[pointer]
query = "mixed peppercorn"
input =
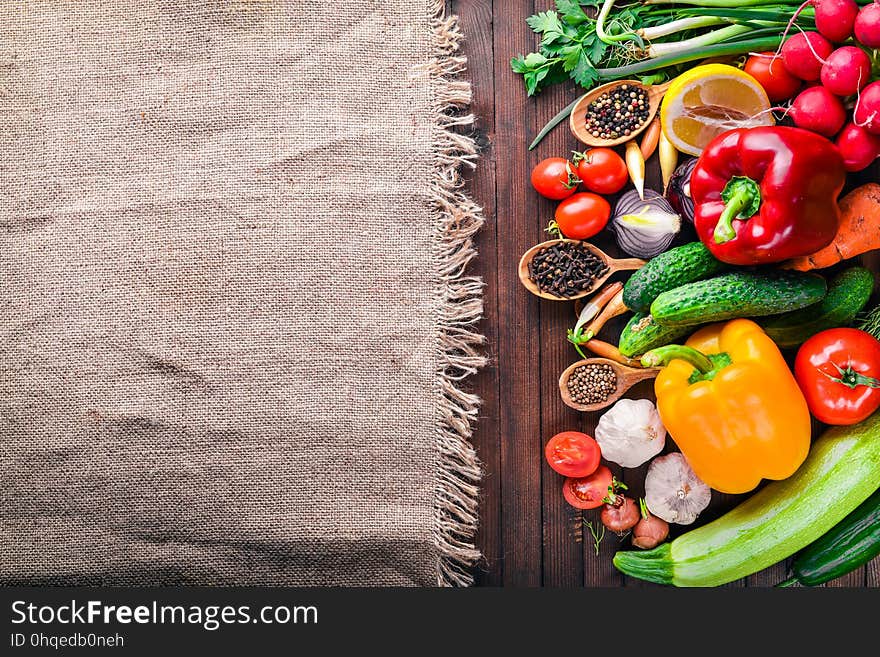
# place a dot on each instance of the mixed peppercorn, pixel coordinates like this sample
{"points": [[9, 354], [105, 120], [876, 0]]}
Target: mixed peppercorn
{"points": [[618, 112]]}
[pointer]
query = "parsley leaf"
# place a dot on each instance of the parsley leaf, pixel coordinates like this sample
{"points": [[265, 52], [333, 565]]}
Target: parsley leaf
{"points": [[571, 11], [544, 22], [584, 72]]}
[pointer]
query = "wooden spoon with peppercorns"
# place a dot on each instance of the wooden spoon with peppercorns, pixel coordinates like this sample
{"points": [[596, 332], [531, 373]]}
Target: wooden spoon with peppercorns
{"points": [[584, 133], [624, 378], [612, 265]]}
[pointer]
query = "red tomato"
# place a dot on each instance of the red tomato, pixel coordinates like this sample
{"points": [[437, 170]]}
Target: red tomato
{"points": [[554, 178], [838, 372], [602, 170], [773, 76], [573, 454], [582, 216], [588, 492]]}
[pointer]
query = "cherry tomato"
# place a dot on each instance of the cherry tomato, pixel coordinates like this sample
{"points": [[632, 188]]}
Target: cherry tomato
{"points": [[773, 76], [554, 178], [573, 454], [601, 170], [838, 371], [588, 492], [582, 215]]}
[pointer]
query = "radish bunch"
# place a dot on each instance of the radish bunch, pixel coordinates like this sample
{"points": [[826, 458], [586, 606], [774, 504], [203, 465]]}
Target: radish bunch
{"points": [[838, 78]]}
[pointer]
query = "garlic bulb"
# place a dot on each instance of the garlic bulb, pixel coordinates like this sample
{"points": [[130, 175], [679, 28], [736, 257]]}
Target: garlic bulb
{"points": [[631, 432], [673, 491]]}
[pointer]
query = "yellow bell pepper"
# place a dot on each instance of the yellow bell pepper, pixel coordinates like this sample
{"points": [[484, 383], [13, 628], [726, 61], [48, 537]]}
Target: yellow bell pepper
{"points": [[732, 406]]}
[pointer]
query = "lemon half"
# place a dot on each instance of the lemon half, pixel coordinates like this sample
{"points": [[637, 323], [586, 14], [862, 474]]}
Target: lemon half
{"points": [[708, 100]]}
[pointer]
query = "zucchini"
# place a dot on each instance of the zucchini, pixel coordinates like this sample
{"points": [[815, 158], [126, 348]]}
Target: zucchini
{"points": [[676, 267], [642, 333], [849, 545], [840, 472], [847, 295], [738, 294]]}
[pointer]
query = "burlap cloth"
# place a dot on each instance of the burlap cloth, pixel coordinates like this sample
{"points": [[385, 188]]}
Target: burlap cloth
{"points": [[234, 319]]}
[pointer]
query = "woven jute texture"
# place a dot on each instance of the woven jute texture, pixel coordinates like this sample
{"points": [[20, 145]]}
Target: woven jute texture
{"points": [[233, 311]]}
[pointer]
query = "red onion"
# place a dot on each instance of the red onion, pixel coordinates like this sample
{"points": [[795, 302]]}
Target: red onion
{"points": [[679, 190]]}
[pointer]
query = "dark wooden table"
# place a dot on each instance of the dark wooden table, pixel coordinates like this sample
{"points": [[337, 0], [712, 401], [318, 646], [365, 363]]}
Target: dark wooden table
{"points": [[528, 534]]}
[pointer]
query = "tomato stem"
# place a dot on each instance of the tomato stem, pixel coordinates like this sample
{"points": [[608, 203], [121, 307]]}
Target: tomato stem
{"points": [[852, 379], [573, 180]]}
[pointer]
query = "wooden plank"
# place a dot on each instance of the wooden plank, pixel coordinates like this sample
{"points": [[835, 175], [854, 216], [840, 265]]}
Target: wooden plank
{"points": [[872, 573], [518, 333], [563, 558], [474, 18]]}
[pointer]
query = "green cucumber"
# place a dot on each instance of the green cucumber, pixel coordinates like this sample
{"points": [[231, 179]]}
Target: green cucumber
{"points": [[850, 544], [676, 267], [642, 333], [841, 471], [847, 295], [738, 294]]}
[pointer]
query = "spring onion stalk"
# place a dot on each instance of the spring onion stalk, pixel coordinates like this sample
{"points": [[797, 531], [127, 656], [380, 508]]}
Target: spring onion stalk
{"points": [[708, 39], [690, 23], [612, 39], [682, 57], [773, 13]]}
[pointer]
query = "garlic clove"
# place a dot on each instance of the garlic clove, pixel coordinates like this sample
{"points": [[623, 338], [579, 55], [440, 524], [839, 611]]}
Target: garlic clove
{"points": [[630, 433], [673, 491]]}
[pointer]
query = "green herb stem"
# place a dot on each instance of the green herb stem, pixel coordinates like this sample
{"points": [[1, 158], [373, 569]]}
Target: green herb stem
{"points": [[673, 27], [708, 39], [681, 57], [563, 114]]}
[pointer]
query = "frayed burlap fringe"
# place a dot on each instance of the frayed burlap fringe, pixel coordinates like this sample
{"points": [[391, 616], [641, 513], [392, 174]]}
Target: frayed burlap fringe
{"points": [[460, 307]]}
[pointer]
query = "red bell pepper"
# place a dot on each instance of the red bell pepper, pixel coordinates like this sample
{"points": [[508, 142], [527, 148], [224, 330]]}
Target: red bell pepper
{"points": [[767, 194]]}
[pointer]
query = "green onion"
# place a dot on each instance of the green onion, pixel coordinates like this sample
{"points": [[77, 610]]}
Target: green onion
{"points": [[563, 114], [716, 50]]}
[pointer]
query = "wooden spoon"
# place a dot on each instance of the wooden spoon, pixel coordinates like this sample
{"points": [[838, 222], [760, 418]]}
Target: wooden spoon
{"points": [[614, 265], [627, 377], [578, 119]]}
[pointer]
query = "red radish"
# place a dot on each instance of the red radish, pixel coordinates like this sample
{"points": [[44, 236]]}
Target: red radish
{"points": [[867, 111], [819, 110], [804, 53], [846, 70], [835, 18], [867, 25], [858, 147]]}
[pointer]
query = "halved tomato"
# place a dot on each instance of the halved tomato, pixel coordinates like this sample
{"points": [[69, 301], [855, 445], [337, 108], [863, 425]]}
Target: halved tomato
{"points": [[588, 492], [573, 454]]}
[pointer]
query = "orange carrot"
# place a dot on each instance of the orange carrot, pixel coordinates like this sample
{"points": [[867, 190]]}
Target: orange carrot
{"points": [[650, 139], [858, 233], [609, 351]]}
